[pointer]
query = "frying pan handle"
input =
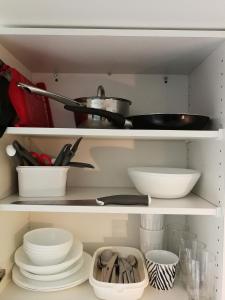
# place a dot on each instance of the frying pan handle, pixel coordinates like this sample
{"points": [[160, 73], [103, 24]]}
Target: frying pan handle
{"points": [[117, 119], [37, 91]]}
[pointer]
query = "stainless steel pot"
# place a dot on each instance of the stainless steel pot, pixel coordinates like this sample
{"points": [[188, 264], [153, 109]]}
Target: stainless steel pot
{"points": [[112, 104], [100, 101]]}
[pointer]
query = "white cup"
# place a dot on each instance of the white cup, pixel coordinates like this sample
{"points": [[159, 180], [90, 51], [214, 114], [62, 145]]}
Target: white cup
{"points": [[152, 222], [151, 239]]}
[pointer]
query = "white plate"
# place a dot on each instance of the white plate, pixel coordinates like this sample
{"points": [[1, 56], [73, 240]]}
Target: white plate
{"points": [[51, 286], [71, 270], [22, 261]]}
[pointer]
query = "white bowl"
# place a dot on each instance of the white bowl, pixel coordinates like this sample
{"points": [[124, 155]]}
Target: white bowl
{"points": [[163, 182], [47, 246]]}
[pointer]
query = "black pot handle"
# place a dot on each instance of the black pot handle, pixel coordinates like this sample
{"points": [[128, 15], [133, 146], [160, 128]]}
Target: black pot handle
{"points": [[117, 119]]}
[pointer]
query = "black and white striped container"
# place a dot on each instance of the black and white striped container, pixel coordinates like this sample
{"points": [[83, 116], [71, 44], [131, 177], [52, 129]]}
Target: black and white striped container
{"points": [[161, 267]]}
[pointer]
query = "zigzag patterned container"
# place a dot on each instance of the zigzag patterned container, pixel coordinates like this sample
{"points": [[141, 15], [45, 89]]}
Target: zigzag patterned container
{"points": [[161, 267]]}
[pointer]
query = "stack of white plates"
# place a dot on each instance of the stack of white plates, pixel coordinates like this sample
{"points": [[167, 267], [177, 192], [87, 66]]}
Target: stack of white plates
{"points": [[59, 271]]}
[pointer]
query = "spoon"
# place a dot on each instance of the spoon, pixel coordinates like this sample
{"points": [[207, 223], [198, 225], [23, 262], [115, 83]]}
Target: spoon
{"points": [[104, 258], [132, 260]]}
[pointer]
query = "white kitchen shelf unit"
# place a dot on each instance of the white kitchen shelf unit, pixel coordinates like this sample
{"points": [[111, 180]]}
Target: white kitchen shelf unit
{"points": [[189, 205], [123, 51], [84, 291], [117, 133]]}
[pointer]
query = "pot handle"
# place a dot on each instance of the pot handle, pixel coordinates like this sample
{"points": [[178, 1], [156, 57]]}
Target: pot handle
{"points": [[100, 92], [37, 91], [117, 119]]}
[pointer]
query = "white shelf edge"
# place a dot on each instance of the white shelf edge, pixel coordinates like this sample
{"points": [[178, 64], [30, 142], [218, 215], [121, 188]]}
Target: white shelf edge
{"points": [[116, 133], [189, 205], [76, 31], [84, 292]]}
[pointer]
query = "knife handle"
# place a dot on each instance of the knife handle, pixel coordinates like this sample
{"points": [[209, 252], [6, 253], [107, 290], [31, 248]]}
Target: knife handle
{"points": [[142, 200]]}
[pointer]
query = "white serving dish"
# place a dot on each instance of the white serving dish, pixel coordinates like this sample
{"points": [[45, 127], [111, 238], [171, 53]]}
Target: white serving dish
{"points": [[57, 285], [68, 272], [43, 181], [23, 261], [152, 222], [119, 291], [47, 246], [163, 182], [151, 239]]}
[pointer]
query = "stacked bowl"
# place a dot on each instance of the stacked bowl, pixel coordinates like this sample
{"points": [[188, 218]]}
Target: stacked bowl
{"points": [[50, 259]]}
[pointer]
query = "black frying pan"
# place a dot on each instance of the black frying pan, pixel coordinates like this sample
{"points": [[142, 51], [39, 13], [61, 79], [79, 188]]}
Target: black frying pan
{"points": [[152, 121]]}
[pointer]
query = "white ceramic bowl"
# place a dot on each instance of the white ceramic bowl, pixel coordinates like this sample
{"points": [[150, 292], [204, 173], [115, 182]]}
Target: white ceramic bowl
{"points": [[47, 246], [163, 182]]}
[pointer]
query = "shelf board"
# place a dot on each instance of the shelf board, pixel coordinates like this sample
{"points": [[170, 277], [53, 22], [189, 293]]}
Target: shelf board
{"points": [[84, 292], [189, 205], [124, 51], [116, 133]]}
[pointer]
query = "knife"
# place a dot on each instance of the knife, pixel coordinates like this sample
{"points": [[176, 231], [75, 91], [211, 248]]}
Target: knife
{"points": [[137, 200]]}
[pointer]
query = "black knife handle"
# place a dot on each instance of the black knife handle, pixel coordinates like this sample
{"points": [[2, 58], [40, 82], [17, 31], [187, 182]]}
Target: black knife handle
{"points": [[141, 200]]}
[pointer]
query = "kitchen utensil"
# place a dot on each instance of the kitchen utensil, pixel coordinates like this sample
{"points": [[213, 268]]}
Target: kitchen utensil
{"points": [[80, 165], [151, 239], [132, 260], [48, 246], [51, 286], [150, 121], [70, 153], [61, 275], [152, 222], [11, 152], [162, 182], [109, 267], [161, 266], [119, 291], [37, 91], [43, 159], [60, 156], [23, 261], [128, 269], [141, 200], [104, 258], [112, 104], [24, 154], [42, 181]]}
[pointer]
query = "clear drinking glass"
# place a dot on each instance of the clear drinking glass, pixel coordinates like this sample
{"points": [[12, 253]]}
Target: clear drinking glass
{"points": [[189, 250], [198, 271], [174, 233]]}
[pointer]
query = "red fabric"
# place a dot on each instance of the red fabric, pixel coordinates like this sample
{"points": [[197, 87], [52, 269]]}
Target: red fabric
{"points": [[32, 110]]}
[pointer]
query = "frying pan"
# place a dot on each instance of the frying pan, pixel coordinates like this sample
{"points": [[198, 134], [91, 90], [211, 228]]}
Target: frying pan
{"points": [[152, 121]]}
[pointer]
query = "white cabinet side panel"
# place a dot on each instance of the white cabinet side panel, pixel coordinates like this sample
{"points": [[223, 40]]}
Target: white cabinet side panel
{"points": [[148, 93], [207, 96], [10, 60], [12, 227]]}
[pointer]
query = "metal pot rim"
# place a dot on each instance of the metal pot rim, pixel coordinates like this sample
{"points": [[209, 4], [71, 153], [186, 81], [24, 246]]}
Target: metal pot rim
{"points": [[85, 99]]}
